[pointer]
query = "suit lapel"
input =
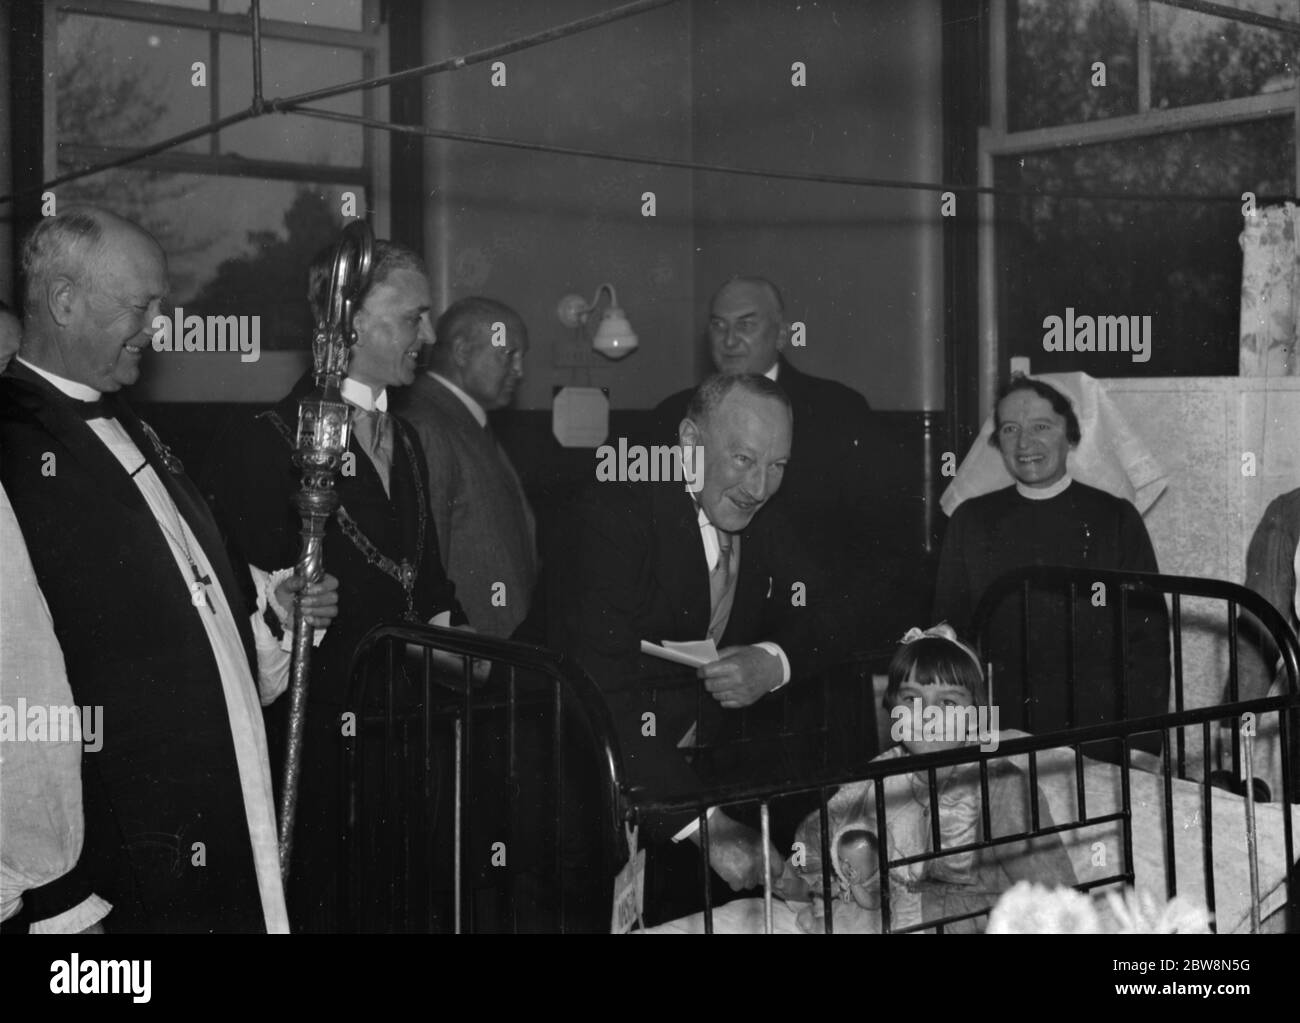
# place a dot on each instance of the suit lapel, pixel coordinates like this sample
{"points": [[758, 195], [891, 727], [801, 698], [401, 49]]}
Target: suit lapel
{"points": [[752, 585], [405, 508], [790, 380], [436, 394], [682, 563]]}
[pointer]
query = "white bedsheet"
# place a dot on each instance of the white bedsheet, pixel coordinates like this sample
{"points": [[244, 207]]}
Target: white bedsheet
{"points": [[1096, 851]]}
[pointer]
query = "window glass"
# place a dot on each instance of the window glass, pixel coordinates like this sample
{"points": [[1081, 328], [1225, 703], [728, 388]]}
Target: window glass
{"points": [[128, 83], [1052, 46], [289, 68], [234, 245], [193, 5], [329, 13], [1196, 58], [1179, 264]]}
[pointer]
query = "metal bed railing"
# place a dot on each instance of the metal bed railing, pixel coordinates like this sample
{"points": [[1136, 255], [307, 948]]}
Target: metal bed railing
{"points": [[441, 714], [433, 730], [459, 706], [1072, 582], [1027, 582], [931, 763]]}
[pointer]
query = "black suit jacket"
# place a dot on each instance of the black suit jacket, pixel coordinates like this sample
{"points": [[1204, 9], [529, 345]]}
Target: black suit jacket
{"points": [[251, 481], [827, 489], [634, 568], [134, 645]]}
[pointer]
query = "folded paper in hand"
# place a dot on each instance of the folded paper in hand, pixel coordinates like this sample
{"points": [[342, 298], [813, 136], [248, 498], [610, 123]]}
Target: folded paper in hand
{"points": [[692, 654]]}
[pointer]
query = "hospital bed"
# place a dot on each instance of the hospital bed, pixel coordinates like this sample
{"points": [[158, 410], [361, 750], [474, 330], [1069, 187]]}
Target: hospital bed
{"points": [[504, 806]]}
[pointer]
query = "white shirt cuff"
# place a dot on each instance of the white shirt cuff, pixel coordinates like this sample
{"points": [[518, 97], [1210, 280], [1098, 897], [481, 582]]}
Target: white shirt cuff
{"points": [[89, 911], [693, 826], [442, 619], [776, 651], [273, 663], [267, 584], [274, 657]]}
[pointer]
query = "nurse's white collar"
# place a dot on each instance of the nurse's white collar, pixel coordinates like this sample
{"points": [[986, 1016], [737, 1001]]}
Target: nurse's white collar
{"points": [[1044, 493]]}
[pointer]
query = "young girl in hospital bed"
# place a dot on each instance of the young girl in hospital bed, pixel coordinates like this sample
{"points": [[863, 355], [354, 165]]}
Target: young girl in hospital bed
{"points": [[931, 669]]}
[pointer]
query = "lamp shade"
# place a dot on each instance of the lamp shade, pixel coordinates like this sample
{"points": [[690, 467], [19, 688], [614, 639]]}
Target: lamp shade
{"points": [[615, 337]]}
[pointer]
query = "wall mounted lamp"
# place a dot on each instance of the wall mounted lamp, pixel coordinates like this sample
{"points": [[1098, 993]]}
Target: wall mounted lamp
{"points": [[612, 335]]}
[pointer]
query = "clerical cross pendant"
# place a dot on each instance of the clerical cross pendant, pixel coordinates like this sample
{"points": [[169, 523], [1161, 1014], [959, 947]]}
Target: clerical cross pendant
{"points": [[199, 595]]}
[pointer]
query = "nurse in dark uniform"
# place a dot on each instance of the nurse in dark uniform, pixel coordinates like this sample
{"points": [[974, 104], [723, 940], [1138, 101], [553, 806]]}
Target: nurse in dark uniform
{"points": [[1048, 518]]}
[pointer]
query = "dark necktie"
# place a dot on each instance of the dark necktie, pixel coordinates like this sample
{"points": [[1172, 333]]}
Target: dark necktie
{"points": [[101, 408], [722, 585], [374, 430]]}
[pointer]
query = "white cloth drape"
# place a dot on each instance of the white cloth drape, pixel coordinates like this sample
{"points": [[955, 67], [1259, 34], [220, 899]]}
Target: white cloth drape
{"points": [[1270, 293], [1110, 457]]}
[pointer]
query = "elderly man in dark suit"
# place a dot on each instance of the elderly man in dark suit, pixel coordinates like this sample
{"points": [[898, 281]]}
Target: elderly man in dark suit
{"points": [[153, 617], [828, 486], [826, 494], [382, 544], [654, 561], [486, 532]]}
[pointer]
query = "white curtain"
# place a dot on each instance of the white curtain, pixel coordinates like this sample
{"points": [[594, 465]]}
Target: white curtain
{"points": [[1270, 292]]}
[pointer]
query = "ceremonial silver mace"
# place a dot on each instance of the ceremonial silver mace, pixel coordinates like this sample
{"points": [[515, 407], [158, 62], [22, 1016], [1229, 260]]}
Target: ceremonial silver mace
{"points": [[324, 423]]}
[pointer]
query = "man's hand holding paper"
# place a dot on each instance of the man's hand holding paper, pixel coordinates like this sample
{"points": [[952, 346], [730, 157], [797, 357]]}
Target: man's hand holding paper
{"points": [[743, 675]]}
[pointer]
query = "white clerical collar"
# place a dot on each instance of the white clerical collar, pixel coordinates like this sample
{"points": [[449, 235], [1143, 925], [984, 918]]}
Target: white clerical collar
{"points": [[363, 397], [475, 409], [1044, 493], [71, 388], [771, 373]]}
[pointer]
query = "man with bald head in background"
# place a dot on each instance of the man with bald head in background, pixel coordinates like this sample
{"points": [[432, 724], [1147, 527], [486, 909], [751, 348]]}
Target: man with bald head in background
{"points": [[154, 618], [486, 532]]}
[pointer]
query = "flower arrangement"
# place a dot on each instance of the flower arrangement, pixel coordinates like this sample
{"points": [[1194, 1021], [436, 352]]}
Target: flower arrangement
{"points": [[1033, 909]]}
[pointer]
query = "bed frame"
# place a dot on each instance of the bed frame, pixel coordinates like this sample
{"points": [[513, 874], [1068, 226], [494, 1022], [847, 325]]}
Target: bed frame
{"points": [[441, 769]]}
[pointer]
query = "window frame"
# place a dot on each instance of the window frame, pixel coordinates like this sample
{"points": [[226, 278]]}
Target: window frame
{"points": [[373, 174], [995, 141]]}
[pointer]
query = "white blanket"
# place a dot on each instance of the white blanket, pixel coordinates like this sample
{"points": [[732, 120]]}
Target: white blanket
{"points": [[1096, 851]]}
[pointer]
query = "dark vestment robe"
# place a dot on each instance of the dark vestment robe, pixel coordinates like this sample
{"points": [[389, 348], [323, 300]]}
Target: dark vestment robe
{"points": [[134, 644]]}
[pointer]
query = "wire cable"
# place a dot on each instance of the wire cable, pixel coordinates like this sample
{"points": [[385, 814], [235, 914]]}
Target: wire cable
{"points": [[294, 105], [478, 56], [755, 172], [259, 106]]}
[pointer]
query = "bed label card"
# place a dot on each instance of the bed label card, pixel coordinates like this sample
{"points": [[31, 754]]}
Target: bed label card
{"points": [[629, 890]]}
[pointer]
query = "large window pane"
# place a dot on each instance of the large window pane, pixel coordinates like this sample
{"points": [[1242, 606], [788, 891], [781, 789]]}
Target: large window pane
{"points": [[1196, 58], [193, 5], [289, 68], [234, 245], [1051, 48], [127, 83], [330, 13], [1180, 264]]}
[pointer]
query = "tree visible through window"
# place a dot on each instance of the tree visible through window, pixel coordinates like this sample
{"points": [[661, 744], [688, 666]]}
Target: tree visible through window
{"points": [[1180, 264], [238, 238]]}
